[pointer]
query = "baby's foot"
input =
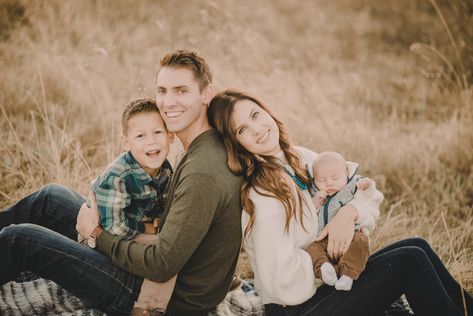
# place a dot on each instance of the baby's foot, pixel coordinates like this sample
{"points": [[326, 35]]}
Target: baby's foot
{"points": [[329, 276], [344, 283]]}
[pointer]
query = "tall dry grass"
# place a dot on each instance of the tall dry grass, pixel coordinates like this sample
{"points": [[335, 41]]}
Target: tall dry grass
{"points": [[387, 83]]}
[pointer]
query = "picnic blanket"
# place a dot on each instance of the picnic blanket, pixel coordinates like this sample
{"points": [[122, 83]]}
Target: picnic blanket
{"points": [[44, 297]]}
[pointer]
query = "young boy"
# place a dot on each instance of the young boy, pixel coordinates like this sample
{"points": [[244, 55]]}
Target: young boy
{"points": [[130, 192], [334, 187]]}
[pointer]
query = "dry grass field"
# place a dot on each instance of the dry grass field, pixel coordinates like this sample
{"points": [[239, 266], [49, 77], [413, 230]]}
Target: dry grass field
{"points": [[387, 83]]}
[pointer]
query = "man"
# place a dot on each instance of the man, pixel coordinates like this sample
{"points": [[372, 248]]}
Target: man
{"points": [[200, 233]]}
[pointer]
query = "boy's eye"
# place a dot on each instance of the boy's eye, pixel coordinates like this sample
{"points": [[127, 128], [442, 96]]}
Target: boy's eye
{"points": [[157, 132], [181, 91], [139, 135]]}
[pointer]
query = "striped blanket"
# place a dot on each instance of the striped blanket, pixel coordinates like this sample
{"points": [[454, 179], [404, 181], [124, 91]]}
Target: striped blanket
{"points": [[44, 297]]}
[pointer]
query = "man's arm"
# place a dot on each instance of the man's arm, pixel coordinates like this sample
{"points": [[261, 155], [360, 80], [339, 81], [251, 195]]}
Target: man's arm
{"points": [[194, 204]]}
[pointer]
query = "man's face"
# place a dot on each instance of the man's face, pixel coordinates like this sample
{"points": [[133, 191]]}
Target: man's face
{"points": [[182, 105], [148, 140]]}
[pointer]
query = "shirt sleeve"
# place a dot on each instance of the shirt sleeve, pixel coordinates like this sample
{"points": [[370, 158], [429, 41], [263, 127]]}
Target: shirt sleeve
{"points": [[367, 205], [284, 271], [112, 201], [194, 204]]}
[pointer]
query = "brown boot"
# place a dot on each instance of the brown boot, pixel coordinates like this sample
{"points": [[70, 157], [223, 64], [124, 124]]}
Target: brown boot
{"points": [[139, 311]]}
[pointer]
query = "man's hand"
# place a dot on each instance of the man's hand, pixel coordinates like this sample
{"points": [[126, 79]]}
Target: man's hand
{"points": [[319, 198], [88, 218], [340, 231], [364, 184]]}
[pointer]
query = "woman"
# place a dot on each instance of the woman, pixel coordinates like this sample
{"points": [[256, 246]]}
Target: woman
{"points": [[279, 222]]}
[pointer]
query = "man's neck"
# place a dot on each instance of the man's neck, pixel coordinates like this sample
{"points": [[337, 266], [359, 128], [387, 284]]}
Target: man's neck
{"points": [[188, 135]]}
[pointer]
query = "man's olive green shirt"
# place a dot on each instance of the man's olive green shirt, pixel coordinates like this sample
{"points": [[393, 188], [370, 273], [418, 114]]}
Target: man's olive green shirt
{"points": [[200, 234]]}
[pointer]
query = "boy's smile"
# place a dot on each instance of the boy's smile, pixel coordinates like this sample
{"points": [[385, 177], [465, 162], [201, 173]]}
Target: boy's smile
{"points": [[148, 140]]}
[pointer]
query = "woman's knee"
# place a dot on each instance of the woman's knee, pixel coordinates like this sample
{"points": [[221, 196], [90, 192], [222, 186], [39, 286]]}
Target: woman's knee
{"points": [[419, 243]]}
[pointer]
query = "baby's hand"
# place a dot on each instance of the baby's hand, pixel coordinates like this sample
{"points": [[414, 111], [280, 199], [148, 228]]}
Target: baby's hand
{"points": [[364, 184], [319, 198]]}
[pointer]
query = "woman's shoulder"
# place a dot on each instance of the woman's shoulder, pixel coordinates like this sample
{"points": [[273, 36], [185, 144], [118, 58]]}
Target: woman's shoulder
{"points": [[306, 155]]}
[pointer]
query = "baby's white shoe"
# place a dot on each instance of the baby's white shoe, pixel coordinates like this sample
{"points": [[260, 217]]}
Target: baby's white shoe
{"points": [[329, 275], [344, 283]]}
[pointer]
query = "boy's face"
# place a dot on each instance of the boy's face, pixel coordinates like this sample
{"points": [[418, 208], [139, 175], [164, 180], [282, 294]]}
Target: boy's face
{"points": [[181, 103], [330, 177], [148, 140]]}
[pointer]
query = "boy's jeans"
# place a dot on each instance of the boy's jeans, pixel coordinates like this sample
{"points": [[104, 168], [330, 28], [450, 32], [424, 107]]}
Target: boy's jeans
{"points": [[46, 244]]}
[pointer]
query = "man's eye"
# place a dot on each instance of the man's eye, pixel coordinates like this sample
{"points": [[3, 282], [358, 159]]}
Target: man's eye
{"points": [[161, 91], [157, 132], [182, 91]]}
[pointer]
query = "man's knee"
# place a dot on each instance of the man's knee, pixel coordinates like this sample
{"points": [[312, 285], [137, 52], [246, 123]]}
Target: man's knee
{"points": [[15, 232], [52, 189]]}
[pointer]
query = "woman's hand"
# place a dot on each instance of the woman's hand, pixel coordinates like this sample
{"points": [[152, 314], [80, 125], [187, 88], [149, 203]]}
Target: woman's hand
{"points": [[88, 217], [340, 231]]}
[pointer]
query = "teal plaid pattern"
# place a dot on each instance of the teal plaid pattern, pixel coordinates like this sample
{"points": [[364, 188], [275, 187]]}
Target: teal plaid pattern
{"points": [[127, 196]]}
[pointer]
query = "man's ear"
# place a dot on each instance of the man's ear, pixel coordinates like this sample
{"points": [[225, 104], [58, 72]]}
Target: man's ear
{"points": [[208, 93], [171, 137], [125, 144]]}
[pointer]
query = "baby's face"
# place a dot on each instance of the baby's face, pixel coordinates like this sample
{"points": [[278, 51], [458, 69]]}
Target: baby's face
{"points": [[330, 177]]}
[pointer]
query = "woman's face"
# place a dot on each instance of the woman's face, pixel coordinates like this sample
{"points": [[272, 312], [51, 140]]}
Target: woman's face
{"points": [[255, 129]]}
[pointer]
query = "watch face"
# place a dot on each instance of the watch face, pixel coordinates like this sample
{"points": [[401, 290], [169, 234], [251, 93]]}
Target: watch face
{"points": [[91, 242]]}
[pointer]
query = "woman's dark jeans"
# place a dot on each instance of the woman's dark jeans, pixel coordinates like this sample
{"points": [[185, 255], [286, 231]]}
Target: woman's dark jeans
{"points": [[44, 241], [407, 267]]}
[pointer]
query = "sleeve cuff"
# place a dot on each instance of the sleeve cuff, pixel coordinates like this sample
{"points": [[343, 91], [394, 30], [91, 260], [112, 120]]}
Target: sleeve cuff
{"points": [[105, 242]]}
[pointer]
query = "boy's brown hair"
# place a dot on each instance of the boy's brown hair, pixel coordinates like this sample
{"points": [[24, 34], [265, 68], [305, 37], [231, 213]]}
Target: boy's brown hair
{"points": [[144, 105], [192, 61]]}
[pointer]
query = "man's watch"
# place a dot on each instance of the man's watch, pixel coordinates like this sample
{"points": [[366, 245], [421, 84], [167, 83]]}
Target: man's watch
{"points": [[92, 239]]}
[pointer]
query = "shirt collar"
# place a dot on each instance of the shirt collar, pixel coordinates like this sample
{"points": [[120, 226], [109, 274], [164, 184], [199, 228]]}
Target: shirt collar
{"points": [[141, 173]]}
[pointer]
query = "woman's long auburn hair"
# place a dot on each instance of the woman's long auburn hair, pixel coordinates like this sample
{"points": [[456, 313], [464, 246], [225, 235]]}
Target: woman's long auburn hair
{"points": [[264, 174]]}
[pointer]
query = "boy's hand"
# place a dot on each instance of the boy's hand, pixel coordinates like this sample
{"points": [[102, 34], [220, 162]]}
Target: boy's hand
{"points": [[150, 228], [319, 198], [364, 184]]}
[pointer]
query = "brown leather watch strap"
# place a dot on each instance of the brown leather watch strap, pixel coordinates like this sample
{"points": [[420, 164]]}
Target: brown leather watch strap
{"points": [[96, 232]]}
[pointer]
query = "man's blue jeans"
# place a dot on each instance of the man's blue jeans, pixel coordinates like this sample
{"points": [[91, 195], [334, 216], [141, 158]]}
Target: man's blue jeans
{"points": [[44, 241]]}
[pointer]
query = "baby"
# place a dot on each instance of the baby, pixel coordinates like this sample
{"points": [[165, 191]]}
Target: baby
{"points": [[334, 187]]}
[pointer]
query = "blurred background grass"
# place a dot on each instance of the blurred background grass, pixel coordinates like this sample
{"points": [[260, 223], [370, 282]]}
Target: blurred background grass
{"points": [[387, 83]]}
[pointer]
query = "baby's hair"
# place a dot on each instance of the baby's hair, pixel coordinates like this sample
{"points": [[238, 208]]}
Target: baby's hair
{"points": [[135, 107], [328, 157]]}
